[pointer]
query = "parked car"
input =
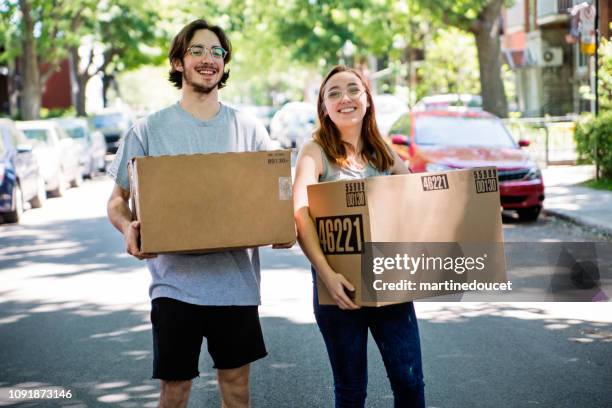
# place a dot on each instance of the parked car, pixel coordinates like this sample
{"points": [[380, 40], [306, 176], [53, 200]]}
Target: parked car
{"points": [[92, 144], [293, 124], [113, 123], [446, 140], [20, 178], [57, 154], [388, 109], [447, 101]]}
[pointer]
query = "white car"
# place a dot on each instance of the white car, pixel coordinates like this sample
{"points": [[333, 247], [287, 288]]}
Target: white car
{"points": [[57, 154], [293, 124], [92, 144], [388, 109]]}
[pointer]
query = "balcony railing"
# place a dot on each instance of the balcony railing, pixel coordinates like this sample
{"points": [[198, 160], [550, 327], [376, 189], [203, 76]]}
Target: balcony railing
{"points": [[548, 8]]}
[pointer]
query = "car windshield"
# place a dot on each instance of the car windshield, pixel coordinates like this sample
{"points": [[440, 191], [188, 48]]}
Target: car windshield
{"points": [[101, 121], [461, 131], [75, 132], [38, 135]]}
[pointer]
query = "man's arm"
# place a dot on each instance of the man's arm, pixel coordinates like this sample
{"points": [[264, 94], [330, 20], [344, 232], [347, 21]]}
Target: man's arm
{"points": [[120, 216]]}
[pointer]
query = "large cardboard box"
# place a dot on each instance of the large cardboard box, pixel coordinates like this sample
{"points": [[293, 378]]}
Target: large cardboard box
{"points": [[445, 208], [211, 202]]}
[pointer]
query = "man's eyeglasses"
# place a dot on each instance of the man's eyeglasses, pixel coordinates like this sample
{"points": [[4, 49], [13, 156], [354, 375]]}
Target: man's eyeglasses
{"points": [[353, 92], [201, 50]]}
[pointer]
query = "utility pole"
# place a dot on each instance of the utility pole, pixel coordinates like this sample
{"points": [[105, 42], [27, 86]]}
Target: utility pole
{"points": [[596, 84]]}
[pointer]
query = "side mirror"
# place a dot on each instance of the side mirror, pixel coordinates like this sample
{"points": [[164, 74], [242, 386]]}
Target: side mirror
{"points": [[24, 149], [400, 140], [523, 143]]}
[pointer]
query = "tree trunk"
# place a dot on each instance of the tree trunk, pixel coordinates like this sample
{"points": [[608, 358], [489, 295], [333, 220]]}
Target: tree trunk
{"points": [[80, 97], [31, 91], [81, 79], [489, 60], [106, 82]]}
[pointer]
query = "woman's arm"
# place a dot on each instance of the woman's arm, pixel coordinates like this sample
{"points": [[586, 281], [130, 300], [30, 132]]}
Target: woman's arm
{"points": [[307, 170]]}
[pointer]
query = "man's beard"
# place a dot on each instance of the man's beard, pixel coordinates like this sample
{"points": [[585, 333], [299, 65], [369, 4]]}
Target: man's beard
{"points": [[199, 88]]}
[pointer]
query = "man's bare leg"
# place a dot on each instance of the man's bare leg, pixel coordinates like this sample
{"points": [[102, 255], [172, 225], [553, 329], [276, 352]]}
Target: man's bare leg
{"points": [[234, 387], [174, 394]]}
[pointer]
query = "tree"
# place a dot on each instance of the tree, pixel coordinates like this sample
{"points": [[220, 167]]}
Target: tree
{"points": [[482, 19], [450, 65], [116, 34], [120, 35], [39, 33], [605, 75]]}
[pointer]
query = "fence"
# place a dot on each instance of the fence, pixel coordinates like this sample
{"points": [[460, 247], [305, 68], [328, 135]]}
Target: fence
{"points": [[551, 138]]}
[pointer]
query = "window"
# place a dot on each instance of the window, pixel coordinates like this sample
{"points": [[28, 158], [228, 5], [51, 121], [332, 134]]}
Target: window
{"points": [[37, 135]]}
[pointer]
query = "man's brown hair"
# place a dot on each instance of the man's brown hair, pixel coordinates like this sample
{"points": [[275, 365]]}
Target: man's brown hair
{"points": [[180, 43]]}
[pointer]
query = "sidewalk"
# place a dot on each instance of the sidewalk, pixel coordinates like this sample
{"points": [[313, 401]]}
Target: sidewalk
{"points": [[581, 205]]}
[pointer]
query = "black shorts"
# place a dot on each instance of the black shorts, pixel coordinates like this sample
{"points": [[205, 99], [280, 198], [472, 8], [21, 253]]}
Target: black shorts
{"points": [[233, 335]]}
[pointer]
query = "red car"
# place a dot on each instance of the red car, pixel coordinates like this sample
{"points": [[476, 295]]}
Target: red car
{"points": [[444, 140]]}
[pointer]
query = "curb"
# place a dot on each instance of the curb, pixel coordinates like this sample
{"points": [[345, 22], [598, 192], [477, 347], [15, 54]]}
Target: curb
{"points": [[579, 221]]}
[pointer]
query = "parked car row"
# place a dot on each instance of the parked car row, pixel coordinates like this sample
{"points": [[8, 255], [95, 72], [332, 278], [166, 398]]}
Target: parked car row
{"points": [[21, 180], [42, 158], [294, 123]]}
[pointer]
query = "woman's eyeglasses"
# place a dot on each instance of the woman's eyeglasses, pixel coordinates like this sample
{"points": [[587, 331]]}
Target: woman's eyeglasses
{"points": [[353, 92]]}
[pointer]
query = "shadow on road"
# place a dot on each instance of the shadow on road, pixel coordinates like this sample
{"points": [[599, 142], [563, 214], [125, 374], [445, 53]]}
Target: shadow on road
{"points": [[488, 355]]}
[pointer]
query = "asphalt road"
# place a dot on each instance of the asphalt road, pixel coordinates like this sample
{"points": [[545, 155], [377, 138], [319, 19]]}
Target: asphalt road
{"points": [[74, 316]]}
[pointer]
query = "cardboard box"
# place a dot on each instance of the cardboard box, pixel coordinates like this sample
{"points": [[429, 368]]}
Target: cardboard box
{"points": [[448, 207], [212, 202]]}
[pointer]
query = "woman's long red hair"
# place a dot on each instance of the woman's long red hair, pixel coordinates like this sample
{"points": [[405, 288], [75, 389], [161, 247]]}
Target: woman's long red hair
{"points": [[374, 149]]}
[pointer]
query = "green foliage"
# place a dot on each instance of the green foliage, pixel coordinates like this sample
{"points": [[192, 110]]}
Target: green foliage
{"points": [[450, 66], [126, 31], [605, 75], [594, 141], [53, 31], [57, 112], [601, 184], [9, 31]]}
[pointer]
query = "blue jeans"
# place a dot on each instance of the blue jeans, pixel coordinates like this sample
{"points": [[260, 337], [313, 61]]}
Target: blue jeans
{"points": [[396, 333]]}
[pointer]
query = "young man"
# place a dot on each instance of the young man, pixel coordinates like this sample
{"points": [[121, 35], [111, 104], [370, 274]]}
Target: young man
{"points": [[194, 296]]}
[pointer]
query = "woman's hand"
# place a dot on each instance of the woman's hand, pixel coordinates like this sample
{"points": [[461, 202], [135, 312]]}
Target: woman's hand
{"points": [[337, 286]]}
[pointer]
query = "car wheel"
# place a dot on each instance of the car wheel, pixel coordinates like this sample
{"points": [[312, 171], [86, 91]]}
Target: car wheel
{"points": [[41, 194], [78, 180], [60, 190], [15, 215], [529, 214]]}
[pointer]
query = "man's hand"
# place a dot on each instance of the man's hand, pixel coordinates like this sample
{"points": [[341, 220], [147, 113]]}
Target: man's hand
{"points": [[120, 216], [131, 235], [284, 246]]}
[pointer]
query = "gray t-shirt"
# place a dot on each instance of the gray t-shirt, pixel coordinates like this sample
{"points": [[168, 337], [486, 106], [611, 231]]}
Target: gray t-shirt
{"points": [[220, 278]]}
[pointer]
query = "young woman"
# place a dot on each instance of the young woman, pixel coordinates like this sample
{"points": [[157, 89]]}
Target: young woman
{"points": [[348, 145]]}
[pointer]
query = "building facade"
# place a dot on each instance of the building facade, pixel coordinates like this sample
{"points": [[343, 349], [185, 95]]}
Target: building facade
{"points": [[547, 45]]}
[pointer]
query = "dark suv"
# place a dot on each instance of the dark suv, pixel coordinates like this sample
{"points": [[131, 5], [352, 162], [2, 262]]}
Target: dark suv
{"points": [[113, 124]]}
